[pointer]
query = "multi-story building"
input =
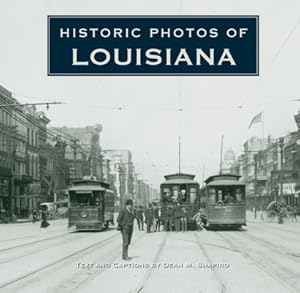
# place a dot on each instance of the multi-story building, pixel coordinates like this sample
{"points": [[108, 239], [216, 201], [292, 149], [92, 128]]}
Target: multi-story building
{"points": [[122, 172], [21, 129], [7, 133], [270, 169], [83, 151], [228, 162]]}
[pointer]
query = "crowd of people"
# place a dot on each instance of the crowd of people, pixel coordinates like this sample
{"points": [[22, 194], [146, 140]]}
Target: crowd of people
{"points": [[283, 212], [174, 218]]}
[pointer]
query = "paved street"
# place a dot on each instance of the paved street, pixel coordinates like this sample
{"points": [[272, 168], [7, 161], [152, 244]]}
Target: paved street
{"points": [[264, 257]]}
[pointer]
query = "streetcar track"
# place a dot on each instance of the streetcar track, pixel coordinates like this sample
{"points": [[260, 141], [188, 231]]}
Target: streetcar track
{"points": [[34, 242], [21, 238], [222, 283], [95, 274], [276, 233], [149, 272], [18, 238], [271, 227], [265, 268], [44, 267], [277, 248], [37, 250]]}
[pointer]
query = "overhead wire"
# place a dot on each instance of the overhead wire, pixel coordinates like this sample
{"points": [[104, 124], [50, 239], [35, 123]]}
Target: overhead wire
{"points": [[276, 55]]}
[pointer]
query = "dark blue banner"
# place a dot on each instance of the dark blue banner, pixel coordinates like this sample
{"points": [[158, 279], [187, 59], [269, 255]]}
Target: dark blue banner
{"points": [[153, 45]]}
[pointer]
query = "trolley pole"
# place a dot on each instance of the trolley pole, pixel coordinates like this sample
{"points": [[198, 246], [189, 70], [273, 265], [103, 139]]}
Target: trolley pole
{"points": [[221, 155], [179, 156]]}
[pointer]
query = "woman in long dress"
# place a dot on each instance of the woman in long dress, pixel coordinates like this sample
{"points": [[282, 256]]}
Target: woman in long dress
{"points": [[44, 223]]}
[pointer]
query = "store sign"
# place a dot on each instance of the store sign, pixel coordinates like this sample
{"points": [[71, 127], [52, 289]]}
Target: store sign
{"points": [[288, 188]]}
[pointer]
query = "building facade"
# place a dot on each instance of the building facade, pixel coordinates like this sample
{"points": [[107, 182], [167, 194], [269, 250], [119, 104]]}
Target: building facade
{"points": [[270, 169]]}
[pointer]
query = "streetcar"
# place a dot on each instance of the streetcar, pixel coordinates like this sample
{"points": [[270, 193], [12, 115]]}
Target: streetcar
{"points": [[223, 202], [91, 205], [183, 189]]}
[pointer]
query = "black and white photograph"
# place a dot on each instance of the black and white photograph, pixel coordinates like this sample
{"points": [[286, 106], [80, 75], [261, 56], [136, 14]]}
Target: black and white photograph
{"points": [[150, 146]]}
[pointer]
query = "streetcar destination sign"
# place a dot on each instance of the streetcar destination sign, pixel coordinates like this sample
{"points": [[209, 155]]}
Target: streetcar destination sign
{"points": [[153, 45]]}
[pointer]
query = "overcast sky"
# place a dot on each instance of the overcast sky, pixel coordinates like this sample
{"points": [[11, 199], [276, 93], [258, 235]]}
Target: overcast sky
{"points": [[149, 125]]}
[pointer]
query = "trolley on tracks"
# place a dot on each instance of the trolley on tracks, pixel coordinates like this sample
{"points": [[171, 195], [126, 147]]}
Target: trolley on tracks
{"points": [[91, 205], [223, 201], [183, 189]]}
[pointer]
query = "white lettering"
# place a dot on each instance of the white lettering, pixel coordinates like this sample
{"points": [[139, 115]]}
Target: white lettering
{"points": [[183, 57], [75, 59], [226, 57], [209, 59], [63, 32], [117, 57], [154, 55], [100, 51]]}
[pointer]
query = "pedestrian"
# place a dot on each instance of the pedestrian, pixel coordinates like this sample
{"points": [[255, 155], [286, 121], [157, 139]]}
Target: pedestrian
{"points": [[140, 218], [157, 228], [44, 223], [282, 214], [177, 216], [294, 214], [149, 217], [198, 218], [125, 225], [155, 217], [183, 219], [34, 215], [168, 219], [3, 216]]}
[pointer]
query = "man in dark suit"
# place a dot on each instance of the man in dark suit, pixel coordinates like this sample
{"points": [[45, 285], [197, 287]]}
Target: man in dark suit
{"points": [[125, 220], [149, 215]]}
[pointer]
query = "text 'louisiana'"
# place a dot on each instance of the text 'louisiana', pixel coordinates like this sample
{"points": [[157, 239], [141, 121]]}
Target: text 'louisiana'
{"points": [[153, 57]]}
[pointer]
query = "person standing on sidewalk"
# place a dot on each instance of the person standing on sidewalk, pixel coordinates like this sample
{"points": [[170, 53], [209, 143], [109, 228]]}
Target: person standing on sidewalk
{"points": [[34, 215], [158, 220], [294, 214], [44, 223], [140, 218], [155, 217], [168, 219], [149, 218], [177, 216], [125, 225], [183, 219]]}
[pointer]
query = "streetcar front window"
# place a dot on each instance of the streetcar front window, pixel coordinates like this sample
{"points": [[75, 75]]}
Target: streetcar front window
{"points": [[166, 192], [80, 199], [212, 196], [193, 194]]}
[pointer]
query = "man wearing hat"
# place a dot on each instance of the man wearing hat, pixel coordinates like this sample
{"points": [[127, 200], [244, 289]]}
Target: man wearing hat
{"points": [[125, 221]]}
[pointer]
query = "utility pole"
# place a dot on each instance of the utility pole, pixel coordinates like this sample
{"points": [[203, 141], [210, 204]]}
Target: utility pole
{"points": [[255, 185], [281, 145], [75, 146], [11, 139]]}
